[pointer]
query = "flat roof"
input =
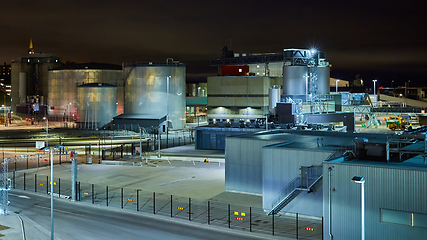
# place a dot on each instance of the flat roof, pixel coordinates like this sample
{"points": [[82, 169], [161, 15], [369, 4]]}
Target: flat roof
{"points": [[91, 66], [413, 164], [275, 135]]}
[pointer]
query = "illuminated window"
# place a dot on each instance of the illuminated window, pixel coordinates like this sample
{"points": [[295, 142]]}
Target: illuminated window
{"points": [[240, 70]]}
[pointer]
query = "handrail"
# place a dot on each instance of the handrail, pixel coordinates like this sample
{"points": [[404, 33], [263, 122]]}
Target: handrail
{"points": [[295, 183]]}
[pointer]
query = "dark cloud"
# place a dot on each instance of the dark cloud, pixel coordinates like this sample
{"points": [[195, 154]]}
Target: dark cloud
{"points": [[360, 36]]}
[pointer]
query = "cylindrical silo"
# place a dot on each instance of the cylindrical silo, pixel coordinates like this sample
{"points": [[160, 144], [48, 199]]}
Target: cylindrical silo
{"points": [[323, 83], [63, 82], [273, 98], [22, 87], [156, 89], [96, 105], [294, 80]]}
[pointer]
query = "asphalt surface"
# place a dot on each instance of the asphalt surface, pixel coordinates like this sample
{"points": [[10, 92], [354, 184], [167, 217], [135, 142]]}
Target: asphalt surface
{"points": [[77, 220]]}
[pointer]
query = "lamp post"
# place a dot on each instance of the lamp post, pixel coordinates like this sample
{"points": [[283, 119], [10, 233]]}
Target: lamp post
{"points": [[51, 149], [68, 113], [361, 181], [47, 129], [336, 85], [375, 81]]}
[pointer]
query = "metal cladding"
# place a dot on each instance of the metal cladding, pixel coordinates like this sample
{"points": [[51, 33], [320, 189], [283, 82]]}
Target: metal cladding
{"points": [[96, 105], [294, 80], [63, 84], [273, 98], [323, 83], [158, 89]]}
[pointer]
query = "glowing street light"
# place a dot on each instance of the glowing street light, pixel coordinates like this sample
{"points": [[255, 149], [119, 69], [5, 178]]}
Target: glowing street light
{"points": [[361, 181], [375, 81]]}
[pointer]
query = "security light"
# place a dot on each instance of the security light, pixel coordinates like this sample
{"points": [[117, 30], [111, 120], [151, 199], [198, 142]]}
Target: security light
{"points": [[358, 179]]}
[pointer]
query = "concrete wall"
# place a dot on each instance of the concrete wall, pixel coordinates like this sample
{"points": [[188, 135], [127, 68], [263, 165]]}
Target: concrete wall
{"points": [[386, 187], [280, 165]]}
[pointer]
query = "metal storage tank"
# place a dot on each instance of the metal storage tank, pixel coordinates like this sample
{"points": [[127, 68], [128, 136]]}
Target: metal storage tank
{"points": [[323, 83], [156, 89], [294, 81], [63, 82], [273, 98], [96, 105]]}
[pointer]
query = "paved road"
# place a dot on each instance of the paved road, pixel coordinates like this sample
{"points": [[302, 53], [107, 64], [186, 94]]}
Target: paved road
{"points": [[76, 220]]}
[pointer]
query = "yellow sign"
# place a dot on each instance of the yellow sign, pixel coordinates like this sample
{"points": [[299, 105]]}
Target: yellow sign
{"points": [[243, 214], [130, 200], [236, 213], [85, 193], [54, 183]]}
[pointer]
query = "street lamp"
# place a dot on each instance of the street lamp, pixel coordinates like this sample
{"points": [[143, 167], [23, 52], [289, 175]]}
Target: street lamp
{"points": [[68, 113], [336, 85], [51, 149], [375, 81], [47, 129], [361, 181]]}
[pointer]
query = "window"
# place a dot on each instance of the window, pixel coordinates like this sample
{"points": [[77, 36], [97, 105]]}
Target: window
{"points": [[404, 218]]}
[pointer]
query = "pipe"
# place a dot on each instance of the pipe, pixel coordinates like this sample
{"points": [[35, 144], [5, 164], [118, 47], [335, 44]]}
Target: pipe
{"points": [[329, 208]]}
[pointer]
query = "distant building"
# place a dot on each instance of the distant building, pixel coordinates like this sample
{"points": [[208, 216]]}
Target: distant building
{"points": [[29, 75], [239, 98], [5, 74]]}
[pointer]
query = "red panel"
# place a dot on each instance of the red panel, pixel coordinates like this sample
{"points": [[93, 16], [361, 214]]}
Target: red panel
{"points": [[227, 70]]}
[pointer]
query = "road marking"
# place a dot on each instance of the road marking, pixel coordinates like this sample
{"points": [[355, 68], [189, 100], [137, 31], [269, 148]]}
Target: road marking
{"points": [[56, 210], [20, 196]]}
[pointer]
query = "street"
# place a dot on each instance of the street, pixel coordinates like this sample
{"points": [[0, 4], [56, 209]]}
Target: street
{"points": [[77, 220]]}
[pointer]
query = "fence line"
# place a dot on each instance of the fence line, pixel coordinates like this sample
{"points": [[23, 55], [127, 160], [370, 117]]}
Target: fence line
{"points": [[208, 212]]}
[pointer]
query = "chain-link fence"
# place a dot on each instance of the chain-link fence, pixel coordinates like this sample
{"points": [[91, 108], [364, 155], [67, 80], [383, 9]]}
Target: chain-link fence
{"points": [[208, 212]]}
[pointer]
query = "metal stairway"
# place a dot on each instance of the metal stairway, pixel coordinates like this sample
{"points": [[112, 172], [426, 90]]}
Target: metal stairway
{"points": [[308, 179]]}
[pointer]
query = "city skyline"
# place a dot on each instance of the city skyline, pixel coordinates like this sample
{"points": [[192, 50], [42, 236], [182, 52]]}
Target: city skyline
{"points": [[373, 39]]}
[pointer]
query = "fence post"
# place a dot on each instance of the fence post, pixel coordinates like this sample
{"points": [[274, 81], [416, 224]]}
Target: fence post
{"points": [[24, 181], [137, 200], [122, 198], [79, 193], [38, 159], [250, 219], [14, 185], [106, 192], [189, 209], [59, 187], [154, 202], [296, 225], [35, 182], [47, 184], [15, 163], [229, 220], [93, 197], [171, 205], [27, 162], [273, 222], [209, 212]]}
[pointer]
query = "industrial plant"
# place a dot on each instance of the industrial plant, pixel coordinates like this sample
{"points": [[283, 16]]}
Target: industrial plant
{"points": [[307, 143]]}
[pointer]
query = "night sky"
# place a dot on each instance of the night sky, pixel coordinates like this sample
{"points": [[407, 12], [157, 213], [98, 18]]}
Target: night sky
{"points": [[378, 40]]}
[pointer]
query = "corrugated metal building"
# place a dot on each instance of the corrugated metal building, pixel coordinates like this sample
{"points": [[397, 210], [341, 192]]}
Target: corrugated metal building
{"points": [[281, 164], [395, 200]]}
